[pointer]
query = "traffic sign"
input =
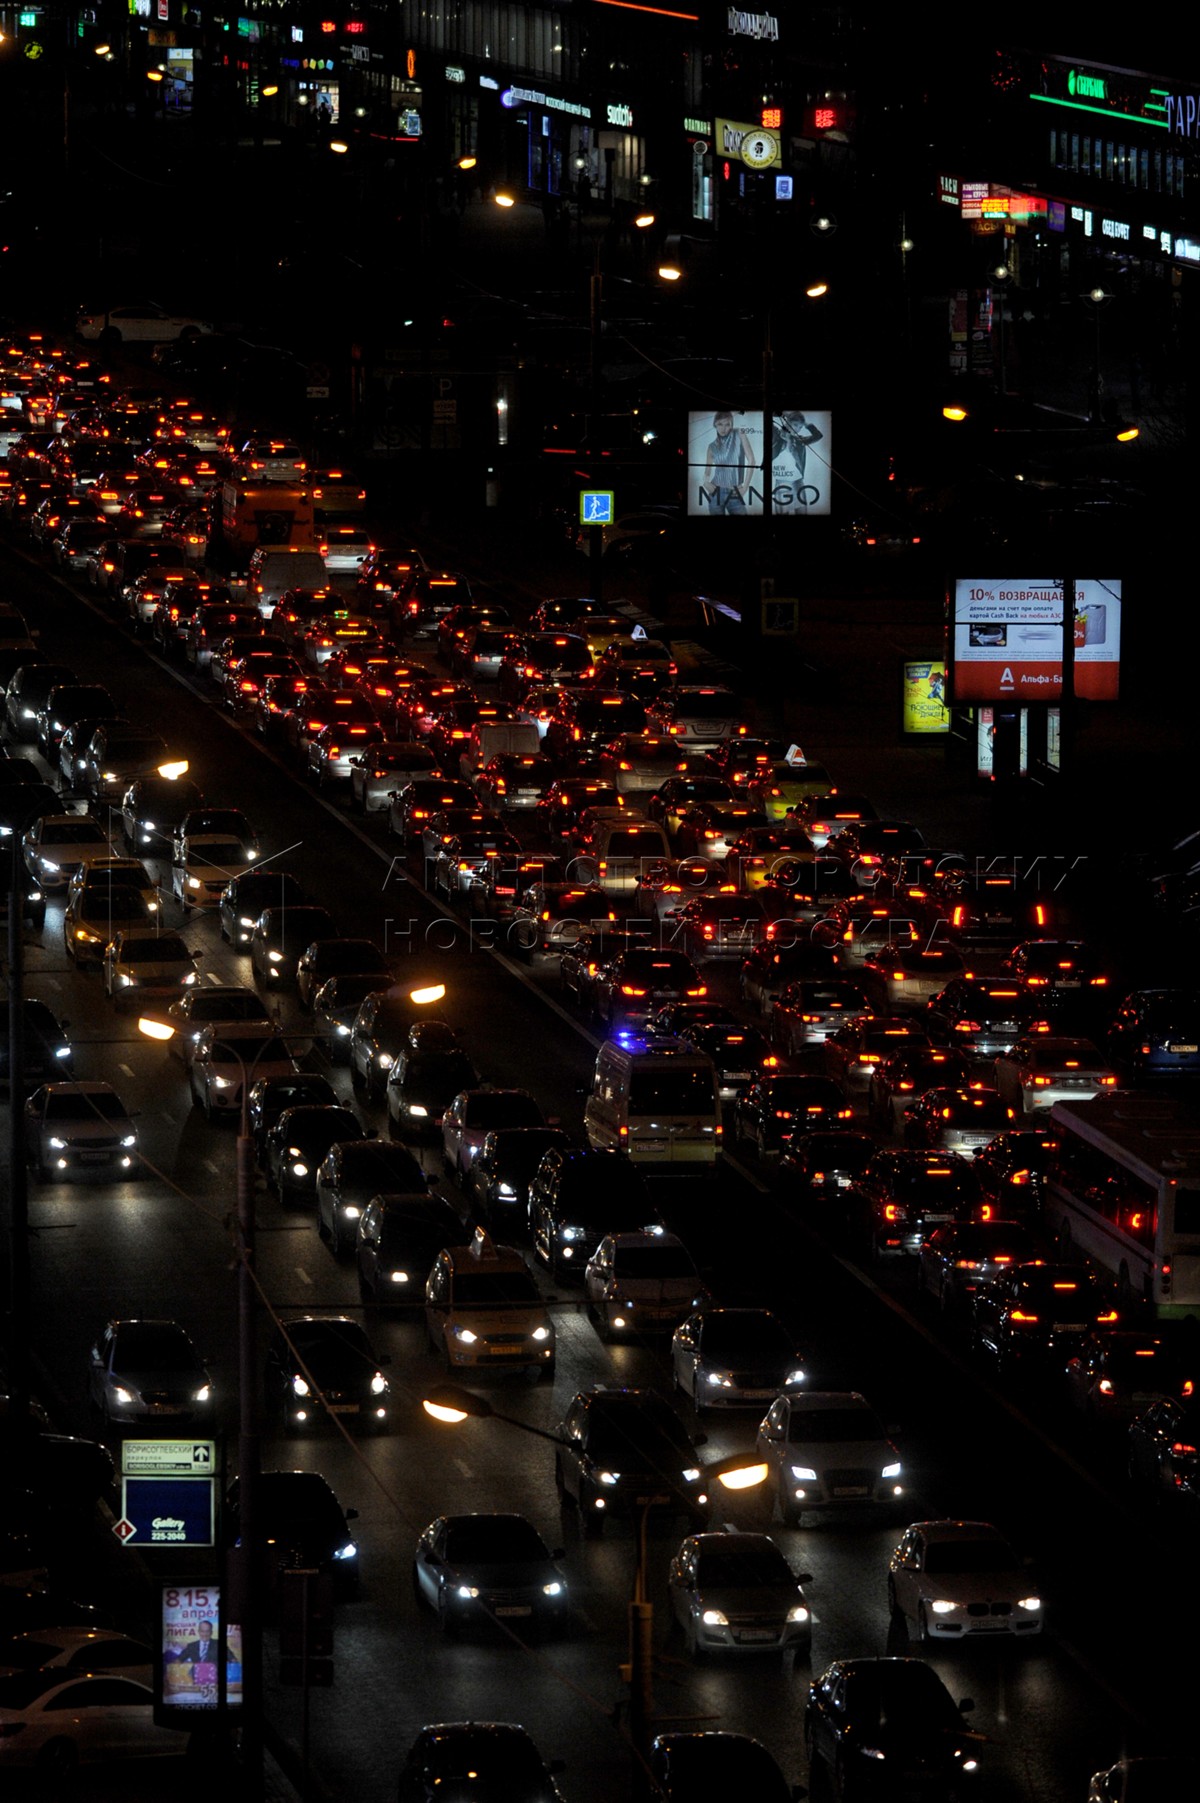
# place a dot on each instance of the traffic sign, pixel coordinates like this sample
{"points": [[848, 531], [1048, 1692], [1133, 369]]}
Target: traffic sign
{"points": [[597, 506], [124, 1530], [168, 1458], [169, 1511]]}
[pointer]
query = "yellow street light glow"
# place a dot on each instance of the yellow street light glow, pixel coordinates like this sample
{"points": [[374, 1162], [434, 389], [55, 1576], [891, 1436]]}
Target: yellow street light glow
{"points": [[669, 272], [467, 162], [173, 771], [505, 200], [423, 997], [154, 75], [267, 92], [746, 1477], [103, 50], [155, 1029], [338, 148], [643, 220], [954, 413], [817, 290], [440, 1412], [1128, 435]]}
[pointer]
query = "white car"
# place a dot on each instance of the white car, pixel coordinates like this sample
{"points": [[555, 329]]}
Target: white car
{"points": [[736, 1593], [55, 1722], [65, 1651], [961, 1580], [82, 1127], [829, 1449], [55, 846], [641, 1283], [144, 966], [214, 1004], [138, 322], [223, 1058], [734, 1358], [344, 547], [201, 867], [1038, 1071]]}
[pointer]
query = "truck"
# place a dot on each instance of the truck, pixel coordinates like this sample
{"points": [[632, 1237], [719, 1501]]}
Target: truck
{"points": [[254, 514]]}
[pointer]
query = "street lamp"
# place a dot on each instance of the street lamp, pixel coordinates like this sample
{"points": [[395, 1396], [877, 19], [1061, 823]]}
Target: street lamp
{"points": [[1096, 298], [1001, 276], [451, 1405]]}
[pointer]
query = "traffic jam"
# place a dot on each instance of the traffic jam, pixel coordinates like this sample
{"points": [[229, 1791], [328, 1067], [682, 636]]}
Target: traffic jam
{"points": [[599, 1056]]}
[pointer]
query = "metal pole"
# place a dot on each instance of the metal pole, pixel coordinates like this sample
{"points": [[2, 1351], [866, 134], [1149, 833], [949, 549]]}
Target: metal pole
{"points": [[595, 319], [1066, 715], [18, 1306], [249, 1459]]}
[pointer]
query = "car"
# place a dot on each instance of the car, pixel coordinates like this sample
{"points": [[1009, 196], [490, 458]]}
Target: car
{"points": [[1152, 1778], [1028, 1317], [778, 787], [70, 754], [576, 1197], [1058, 965], [138, 322], [350, 1174], [909, 976], [807, 1012], [143, 966], [827, 1450], [549, 915], [216, 1004], [533, 660], [1164, 1449], [868, 927], [334, 956], [67, 1650], [879, 849], [642, 1282], [227, 1058], [692, 1767], [54, 1721], [428, 1072], [894, 1713], [777, 1107], [637, 763], [489, 1570], [982, 1017], [495, 1758], [483, 1311], [955, 1259], [628, 988], [299, 1525], [322, 1367], [956, 1119], [905, 1076], [381, 768], [344, 546], [996, 904], [736, 1593], [588, 718], [399, 1238], [734, 1358], [144, 1372], [66, 703], [741, 1054], [826, 1165], [853, 1051], [898, 1198], [665, 887], [98, 906], [1117, 1373], [962, 1580], [676, 795], [514, 782], [710, 829], [758, 854], [641, 664], [1043, 1068], [46, 1051], [55, 846], [771, 966], [626, 1452], [474, 1113], [1155, 1035], [247, 895], [270, 1096], [700, 716], [824, 817], [280, 937], [1012, 1168], [295, 1144], [80, 1129], [335, 1006], [708, 927], [202, 867]]}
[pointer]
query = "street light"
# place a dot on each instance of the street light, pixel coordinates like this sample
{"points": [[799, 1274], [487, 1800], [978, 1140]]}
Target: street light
{"points": [[1096, 298], [1001, 276], [451, 1405]]}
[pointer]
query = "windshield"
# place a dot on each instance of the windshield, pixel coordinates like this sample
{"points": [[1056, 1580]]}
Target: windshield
{"points": [[903, 1696], [960, 1556], [634, 1436], [250, 1051], [493, 1539], [503, 1109], [494, 1289], [657, 1264], [742, 1560], [935, 1184], [383, 1167], [155, 951], [157, 1345], [816, 1427], [745, 1338], [68, 832], [70, 1105]]}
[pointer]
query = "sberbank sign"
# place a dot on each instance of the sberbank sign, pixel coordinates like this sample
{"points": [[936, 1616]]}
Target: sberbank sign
{"points": [[1087, 87]]}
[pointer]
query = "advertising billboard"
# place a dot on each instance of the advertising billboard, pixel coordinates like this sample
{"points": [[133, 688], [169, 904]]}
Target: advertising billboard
{"points": [[193, 1639], [728, 453], [1008, 639], [925, 708]]}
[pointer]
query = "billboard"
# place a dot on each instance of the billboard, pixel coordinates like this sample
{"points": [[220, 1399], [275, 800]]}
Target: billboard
{"points": [[728, 452], [193, 1638], [1008, 639], [925, 708]]}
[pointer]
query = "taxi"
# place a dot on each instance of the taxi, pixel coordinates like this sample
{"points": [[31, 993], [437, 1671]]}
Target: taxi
{"points": [[483, 1310]]}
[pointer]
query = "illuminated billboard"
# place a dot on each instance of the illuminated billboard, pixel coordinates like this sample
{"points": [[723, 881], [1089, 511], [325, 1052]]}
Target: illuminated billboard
{"points": [[1008, 639], [196, 1641], [727, 457]]}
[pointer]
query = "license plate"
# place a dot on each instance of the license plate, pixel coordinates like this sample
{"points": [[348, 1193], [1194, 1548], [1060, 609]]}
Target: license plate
{"points": [[761, 1395], [1069, 1327], [937, 1218], [851, 1490], [1068, 982], [757, 1634], [652, 1145], [648, 1501], [343, 1408], [1183, 1048], [1140, 1396], [94, 1157], [737, 1076], [514, 1609]]}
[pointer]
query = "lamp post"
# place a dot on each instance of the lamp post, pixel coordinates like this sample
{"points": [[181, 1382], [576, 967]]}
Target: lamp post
{"points": [[448, 1403], [1001, 276], [1096, 297]]}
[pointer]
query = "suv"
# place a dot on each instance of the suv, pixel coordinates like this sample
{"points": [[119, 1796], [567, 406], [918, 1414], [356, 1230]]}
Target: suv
{"points": [[826, 1448], [576, 1197], [623, 1451], [143, 1371], [483, 1310]]}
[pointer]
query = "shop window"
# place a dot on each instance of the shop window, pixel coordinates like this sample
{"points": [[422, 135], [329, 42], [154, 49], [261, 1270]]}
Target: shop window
{"points": [[1108, 160], [1143, 169]]}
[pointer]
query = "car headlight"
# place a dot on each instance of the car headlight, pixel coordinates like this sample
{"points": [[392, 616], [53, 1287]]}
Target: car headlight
{"points": [[570, 1234], [719, 1378], [343, 1029], [349, 1551], [715, 1618], [275, 957], [466, 1336], [62, 1051], [245, 921], [804, 1473], [691, 1474], [59, 1145], [152, 907], [122, 1395], [942, 1607], [203, 1394], [799, 1613], [397, 1276], [193, 882], [506, 1192], [299, 1168], [49, 866], [300, 1386], [220, 1082], [467, 1592], [418, 1113], [1030, 1603], [189, 978], [130, 1139], [873, 1753], [795, 1377], [540, 1333], [607, 1477], [379, 1384], [350, 1210], [891, 1470], [385, 1061]]}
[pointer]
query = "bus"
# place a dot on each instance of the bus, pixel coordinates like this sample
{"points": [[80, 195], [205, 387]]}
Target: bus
{"points": [[1123, 1192], [265, 513]]}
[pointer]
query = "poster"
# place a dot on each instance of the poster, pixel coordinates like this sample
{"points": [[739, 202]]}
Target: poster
{"points": [[192, 1639], [727, 456], [1008, 639], [924, 707]]}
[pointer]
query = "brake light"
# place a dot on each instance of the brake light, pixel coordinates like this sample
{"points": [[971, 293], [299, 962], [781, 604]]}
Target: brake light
{"points": [[1018, 1314]]}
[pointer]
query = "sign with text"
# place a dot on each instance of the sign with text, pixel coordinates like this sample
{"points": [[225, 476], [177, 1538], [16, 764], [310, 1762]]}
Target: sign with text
{"points": [[1008, 639], [194, 1639], [168, 1458], [925, 708], [169, 1511], [728, 452]]}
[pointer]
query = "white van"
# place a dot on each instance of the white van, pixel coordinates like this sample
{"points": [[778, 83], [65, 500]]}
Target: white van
{"points": [[276, 568], [656, 1099], [623, 847], [492, 739]]}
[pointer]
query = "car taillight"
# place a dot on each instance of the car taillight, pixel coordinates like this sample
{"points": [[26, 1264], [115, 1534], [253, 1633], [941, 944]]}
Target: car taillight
{"points": [[628, 989], [967, 1026], [1019, 1314]]}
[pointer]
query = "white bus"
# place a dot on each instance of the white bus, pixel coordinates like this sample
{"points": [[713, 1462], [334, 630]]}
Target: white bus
{"points": [[1123, 1192]]}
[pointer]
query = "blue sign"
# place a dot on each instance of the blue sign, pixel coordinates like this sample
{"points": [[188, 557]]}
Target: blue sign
{"points": [[597, 506], [169, 1511]]}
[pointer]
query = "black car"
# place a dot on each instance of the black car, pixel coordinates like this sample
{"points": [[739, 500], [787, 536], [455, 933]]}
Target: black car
{"points": [[245, 897], [270, 1096], [489, 1570], [324, 1368], [488, 1762], [889, 1728], [497, 1183], [826, 1166], [48, 1054], [778, 1107], [351, 1173], [696, 1767], [623, 1452], [422, 1083], [301, 1527], [1164, 1449], [901, 1196], [280, 937], [1033, 1317], [576, 1197], [293, 1149], [399, 1237], [1012, 1168]]}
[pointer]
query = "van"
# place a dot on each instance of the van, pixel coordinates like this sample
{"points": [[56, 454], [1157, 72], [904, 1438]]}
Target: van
{"points": [[622, 847], [491, 738], [656, 1099], [275, 569]]}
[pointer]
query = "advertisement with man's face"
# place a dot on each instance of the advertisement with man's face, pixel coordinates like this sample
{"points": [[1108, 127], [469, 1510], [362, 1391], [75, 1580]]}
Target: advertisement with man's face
{"points": [[728, 453], [193, 1642], [1008, 639]]}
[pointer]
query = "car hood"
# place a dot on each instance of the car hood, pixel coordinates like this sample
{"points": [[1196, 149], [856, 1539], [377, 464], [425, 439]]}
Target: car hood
{"points": [[77, 1130], [505, 1574], [749, 1599], [975, 1586], [655, 1289]]}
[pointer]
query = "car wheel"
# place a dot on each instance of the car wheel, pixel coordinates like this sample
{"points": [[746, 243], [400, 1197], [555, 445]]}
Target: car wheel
{"points": [[192, 1093], [923, 1634], [206, 1104], [789, 1513], [544, 1374], [110, 338]]}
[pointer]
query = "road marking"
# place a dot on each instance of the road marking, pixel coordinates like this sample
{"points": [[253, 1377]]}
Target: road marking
{"points": [[125, 1070], [303, 1275], [210, 1166], [464, 1468]]}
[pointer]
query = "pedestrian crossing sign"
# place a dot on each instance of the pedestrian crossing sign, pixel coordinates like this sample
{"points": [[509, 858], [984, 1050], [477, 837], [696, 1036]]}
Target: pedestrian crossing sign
{"points": [[596, 506]]}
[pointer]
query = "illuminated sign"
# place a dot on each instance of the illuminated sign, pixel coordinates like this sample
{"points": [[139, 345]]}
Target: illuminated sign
{"points": [[726, 462], [597, 506], [924, 702], [616, 113], [699, 127], [1116, 93], [772, 118], [1183, 115], [1115, 228], [756, 148], [513, 97], [1008, 640], [1088, 87], [784, 189], [454, 73], [195, 1640], [752, 25], [991, 200], [947, 190]]}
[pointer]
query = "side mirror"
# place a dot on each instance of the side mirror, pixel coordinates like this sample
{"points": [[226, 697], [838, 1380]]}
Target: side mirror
{"points": [[352, 1515], [371, 1133], [965, 1705], [804, 1577]]}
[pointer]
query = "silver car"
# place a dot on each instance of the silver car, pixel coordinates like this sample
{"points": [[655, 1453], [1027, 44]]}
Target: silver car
{"points": [[736, 1593], [961, 1580], [79, 1129], [828, 1449]]}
